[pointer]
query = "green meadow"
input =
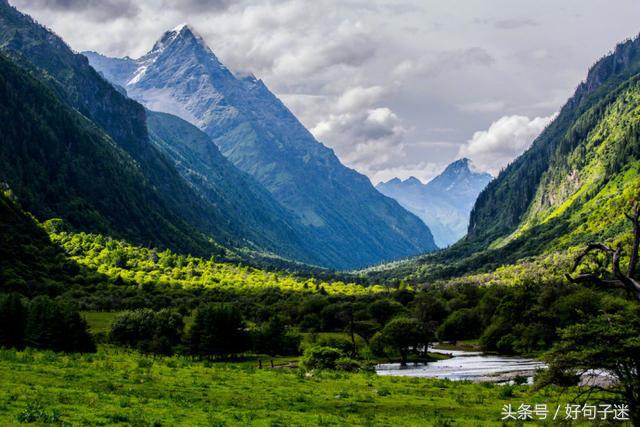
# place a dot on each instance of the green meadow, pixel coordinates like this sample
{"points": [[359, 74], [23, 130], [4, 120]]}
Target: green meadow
{"points": [[118, 387]]}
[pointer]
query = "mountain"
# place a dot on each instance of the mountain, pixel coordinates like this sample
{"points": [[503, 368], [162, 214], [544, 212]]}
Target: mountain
{"points": [[444, 203], [585, 157], [60, 164], [340, 212], [79, 149], [88, 157], [265, 224], [574, 185]]}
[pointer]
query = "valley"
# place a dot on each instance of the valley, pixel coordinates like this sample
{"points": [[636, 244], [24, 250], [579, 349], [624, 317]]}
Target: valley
{"points": [[178, 248]]}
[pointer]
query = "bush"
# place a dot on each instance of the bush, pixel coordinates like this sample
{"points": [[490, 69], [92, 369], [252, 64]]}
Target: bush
{"points": [[340, 342], [348, 364], [319, 357]]}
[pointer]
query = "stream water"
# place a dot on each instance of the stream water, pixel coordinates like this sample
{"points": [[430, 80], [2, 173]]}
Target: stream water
{"points": [[467, 365]]}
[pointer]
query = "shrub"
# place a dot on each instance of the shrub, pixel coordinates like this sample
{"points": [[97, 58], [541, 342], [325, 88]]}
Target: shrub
{"points": [[319, 357], [340, 342], [348, 364]]}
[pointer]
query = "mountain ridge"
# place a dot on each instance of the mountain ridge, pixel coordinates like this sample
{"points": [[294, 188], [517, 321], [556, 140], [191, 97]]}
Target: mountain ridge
{"points": [[573, 186], [444, 203], [336, 207]]}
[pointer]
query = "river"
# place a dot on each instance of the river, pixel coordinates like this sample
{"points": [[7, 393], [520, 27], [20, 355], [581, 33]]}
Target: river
{"points": [[467, 365]]}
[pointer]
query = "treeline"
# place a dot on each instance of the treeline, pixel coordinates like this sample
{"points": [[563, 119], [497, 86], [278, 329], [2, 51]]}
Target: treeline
{"points": [[219, 331], [160, 288], [44, 324]]}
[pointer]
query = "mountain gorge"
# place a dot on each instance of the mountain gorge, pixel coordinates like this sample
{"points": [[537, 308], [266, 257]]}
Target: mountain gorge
{"points": [[444, 203], [336, 208]]}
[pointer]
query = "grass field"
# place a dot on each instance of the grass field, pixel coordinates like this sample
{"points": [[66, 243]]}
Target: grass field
{"points": [[100, 321], [126, 388]]}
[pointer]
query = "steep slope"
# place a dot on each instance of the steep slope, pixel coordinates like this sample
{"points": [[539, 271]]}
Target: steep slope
{"points": [[444, 203], [573, 186], [518, 194], [340, 210], [74, 81], [27, 255], [59, 164], [261, 219]]}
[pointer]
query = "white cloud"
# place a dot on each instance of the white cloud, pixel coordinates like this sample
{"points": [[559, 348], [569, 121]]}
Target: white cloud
{"points": [[506, 139], [364, 140], [359, 97]]}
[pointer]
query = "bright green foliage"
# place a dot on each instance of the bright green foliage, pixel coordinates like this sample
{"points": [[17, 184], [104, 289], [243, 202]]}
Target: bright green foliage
{"points": [[321, 357], [134, 264]]}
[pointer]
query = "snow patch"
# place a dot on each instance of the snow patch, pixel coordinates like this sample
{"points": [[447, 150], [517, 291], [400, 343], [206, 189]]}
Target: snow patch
{"points": [[140, 72]]}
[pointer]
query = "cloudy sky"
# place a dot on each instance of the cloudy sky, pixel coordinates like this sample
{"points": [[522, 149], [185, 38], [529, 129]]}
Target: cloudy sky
{"points": [[397, 88]]}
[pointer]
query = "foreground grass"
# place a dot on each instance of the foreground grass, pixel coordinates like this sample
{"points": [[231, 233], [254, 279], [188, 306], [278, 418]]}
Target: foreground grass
{"points": [[125, 388]]}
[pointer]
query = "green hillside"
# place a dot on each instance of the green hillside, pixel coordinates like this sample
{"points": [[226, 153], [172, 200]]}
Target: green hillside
{"points": [[573, 186]]}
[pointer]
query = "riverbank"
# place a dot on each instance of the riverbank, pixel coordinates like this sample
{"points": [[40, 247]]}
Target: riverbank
{"points": [[127, 388]]}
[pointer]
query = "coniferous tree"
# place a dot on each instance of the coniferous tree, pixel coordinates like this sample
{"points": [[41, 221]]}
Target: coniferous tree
{"points": [[218, 331], [12, 321]]}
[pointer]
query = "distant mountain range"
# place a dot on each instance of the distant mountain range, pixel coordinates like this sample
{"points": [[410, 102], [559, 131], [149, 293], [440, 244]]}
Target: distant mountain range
{"points": [[336, 210], [445, 202]]}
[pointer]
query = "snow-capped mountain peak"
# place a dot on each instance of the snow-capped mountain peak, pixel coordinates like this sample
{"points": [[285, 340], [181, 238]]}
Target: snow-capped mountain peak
{"points": [[445, 202], [261, 136]]}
